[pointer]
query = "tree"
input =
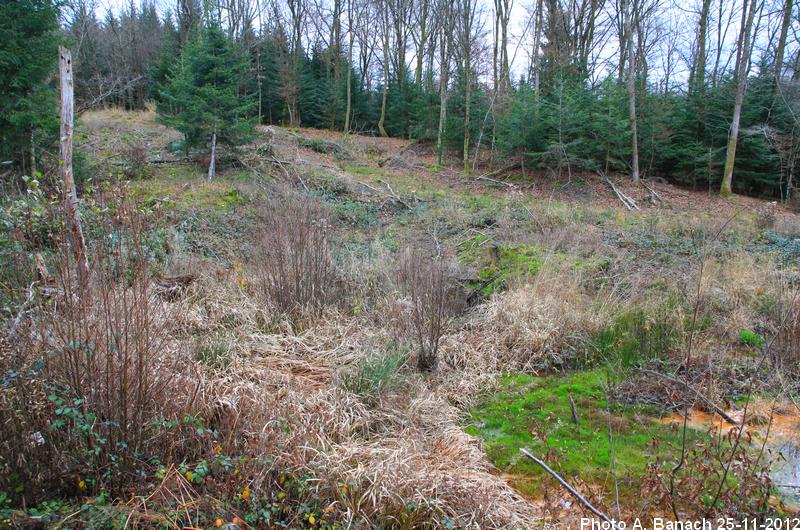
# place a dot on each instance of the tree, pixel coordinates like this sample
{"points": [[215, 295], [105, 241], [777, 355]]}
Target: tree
{"points": [[201, 98], [743, 59], [629, 13], [28, 55]]}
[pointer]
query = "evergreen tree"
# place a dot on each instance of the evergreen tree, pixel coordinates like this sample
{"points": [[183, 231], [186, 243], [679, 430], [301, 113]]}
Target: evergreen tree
{"points": [[201, 99], [28, 56]]}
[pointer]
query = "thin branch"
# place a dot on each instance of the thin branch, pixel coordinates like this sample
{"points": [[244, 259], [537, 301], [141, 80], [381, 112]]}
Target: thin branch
{"points": [[572, 490]]}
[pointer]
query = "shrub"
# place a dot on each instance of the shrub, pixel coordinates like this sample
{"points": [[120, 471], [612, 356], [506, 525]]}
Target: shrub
{"points": [[731, 473], [136, 165], [296, 270], [95, 393], [433, 302]]}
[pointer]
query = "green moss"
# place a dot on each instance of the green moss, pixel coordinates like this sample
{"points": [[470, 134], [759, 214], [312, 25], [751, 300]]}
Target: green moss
{"points": [[502, 263], [750, 338], [535, 413], [184, 189]]}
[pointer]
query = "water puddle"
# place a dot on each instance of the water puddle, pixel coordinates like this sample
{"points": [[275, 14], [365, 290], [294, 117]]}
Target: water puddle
{"points": [[783, 432]]}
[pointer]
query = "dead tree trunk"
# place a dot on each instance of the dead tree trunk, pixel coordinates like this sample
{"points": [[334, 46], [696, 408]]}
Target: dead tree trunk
{"points": [[73, 217], [212, 165]]}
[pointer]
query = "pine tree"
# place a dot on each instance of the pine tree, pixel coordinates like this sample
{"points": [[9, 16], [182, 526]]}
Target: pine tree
{"points": [[28, 55], [201, 99]]}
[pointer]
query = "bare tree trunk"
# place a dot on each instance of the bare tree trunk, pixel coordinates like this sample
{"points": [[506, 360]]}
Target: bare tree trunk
{"points": [[348, 108], [386, 29], [70, 193], [537, 42], [212, 165], [467, 102], [781, 48], [468, 13], [700, 71], [351, 35], [742, 68], [33, 155], [631, 84], [444, 78], [423, 39]]}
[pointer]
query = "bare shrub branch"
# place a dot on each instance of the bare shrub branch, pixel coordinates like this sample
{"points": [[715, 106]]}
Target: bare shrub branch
{"points": [[295, 266]]}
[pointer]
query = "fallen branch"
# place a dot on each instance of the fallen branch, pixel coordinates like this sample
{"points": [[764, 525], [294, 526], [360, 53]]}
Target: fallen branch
{"points": [[629, 203], [653, 195], [486, 176], [494, 181], [376, 190], [395, 196], [572, 490], [696, 392]]}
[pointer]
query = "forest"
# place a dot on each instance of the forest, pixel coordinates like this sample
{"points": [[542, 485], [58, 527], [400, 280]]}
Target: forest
{"points": [[627, 86], [399, 264]]}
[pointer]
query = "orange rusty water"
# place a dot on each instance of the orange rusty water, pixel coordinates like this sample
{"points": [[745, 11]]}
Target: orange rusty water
{"points": [[783, 428], [782, 433]]}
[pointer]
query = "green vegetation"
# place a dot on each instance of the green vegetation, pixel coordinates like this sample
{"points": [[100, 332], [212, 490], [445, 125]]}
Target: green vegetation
{"points": [[374, 375], [535, 413], [201, 99], [751, 338], [515, 261], [637, 336], [28, 56]]}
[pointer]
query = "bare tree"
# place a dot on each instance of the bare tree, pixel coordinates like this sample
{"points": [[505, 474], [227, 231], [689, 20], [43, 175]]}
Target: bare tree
{"points": [[444, 14], [383, 9], [421, 36], [466, 36], [629, 12], [743, 59]]}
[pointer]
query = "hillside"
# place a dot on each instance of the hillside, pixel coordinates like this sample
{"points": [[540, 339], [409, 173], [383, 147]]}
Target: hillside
{"points": [[344, 334]]}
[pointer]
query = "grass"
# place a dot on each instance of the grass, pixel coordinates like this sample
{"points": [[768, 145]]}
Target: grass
{"points": [[346, 409], [183, 189], [535, 413]]}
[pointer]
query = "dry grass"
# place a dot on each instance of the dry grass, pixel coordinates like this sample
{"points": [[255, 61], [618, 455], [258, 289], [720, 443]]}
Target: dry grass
{"points": [[531, 326]]}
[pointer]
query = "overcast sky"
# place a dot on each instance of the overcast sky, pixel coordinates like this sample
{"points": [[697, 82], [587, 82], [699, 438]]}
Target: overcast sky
{"points": [[673, 34]]}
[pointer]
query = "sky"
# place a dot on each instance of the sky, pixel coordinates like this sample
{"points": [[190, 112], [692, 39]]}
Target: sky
{"points": [[672, 41]]}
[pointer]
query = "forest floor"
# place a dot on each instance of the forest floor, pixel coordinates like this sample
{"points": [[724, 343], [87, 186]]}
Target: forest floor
{"points": [[571, 298]]}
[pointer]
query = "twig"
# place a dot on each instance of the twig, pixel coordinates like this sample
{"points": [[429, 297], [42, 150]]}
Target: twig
{"points": [[570, 489], [764, 355], [575, 418], [22, 308], [696, 392]]}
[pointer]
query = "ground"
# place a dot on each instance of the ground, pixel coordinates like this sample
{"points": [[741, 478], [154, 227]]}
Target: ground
{"points": [[568, 296]]}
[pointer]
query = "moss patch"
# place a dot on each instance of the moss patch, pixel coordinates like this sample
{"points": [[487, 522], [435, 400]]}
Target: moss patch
{"points": [[499, 263], [535, 413], [183, 189]]}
